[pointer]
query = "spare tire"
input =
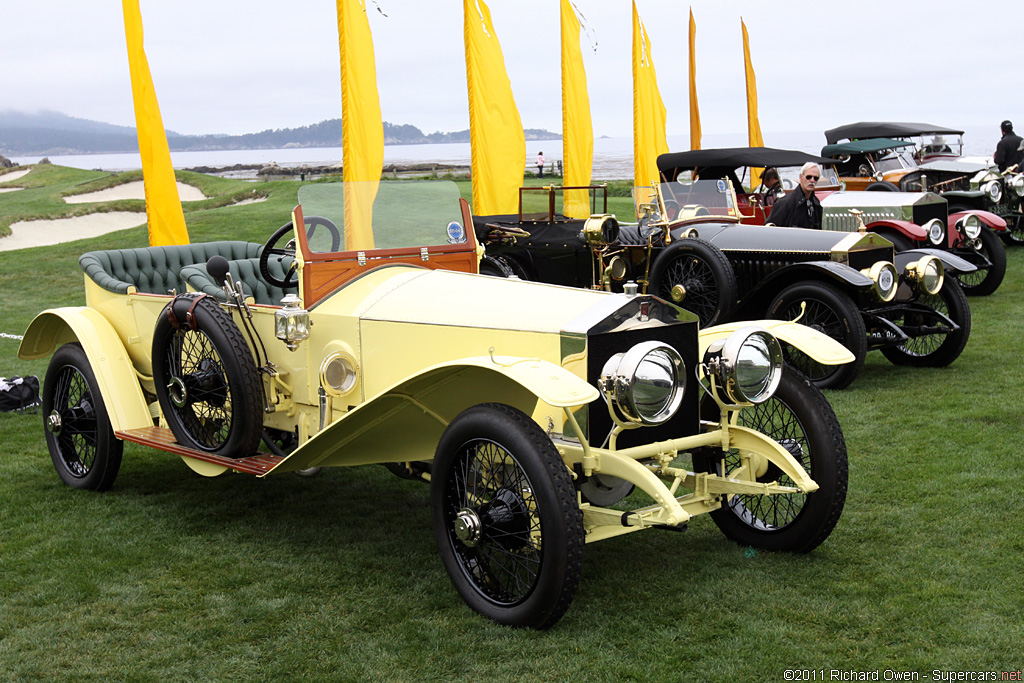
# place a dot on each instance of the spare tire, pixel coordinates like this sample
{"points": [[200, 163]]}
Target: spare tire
{"points": [[206, 379], [697, 276]]}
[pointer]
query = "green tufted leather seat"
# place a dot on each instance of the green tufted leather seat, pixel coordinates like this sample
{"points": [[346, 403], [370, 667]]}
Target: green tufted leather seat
{"points": [[157, 270], [248, 272]]}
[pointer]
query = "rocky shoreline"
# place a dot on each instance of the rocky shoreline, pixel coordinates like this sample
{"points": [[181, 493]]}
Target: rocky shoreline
{"points": [[275, 171]]}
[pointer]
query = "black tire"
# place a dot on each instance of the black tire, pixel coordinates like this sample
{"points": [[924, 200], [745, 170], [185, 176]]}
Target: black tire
{"points": [[524, 564], [882, 186], [85, 452], [831, 311], [935, 350], [984, 281], [206, 380], [800, 418], [704, 272]]}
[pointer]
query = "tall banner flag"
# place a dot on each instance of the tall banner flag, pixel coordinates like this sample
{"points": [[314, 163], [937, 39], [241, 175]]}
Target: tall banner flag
{"points": [[163, 205], [577, 129], [648, 109], [694, 109], [753, 126], [497, 141], [362, 129]]}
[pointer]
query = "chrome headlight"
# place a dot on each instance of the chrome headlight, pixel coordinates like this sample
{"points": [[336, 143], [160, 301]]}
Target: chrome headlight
{"points": [[936, 231], [883, 274], [1018, 184], [994, 189], [745, 368], [646, 383], [601, 230], [927, 273], [969, 225]]}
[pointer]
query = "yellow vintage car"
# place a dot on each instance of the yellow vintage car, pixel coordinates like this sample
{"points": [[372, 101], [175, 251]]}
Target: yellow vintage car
{"points": [[533, 410]]}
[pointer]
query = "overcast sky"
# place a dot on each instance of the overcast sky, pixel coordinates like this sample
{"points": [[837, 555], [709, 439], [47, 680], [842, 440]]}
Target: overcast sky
{"points": [[233, 66]]}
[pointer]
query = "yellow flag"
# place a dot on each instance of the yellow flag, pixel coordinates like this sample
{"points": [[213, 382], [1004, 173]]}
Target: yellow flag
{"points": [[497, 142], [694, 109], [753, 127], [648, 110], [577, 129], [362, 130], [163, 205]]}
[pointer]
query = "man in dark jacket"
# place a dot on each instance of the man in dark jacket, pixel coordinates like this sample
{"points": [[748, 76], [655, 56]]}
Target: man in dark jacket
{"points": [[800, 208], [1008, 151]]}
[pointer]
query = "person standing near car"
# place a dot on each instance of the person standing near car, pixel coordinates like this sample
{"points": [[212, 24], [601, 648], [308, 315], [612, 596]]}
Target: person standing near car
{"points": [[1008, 151], [800, 208]]}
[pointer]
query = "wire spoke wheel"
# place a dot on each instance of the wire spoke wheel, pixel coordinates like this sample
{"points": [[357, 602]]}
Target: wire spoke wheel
{"points": [[73, 404], [206, 379], [698, 280], [506, 519], [503, 558], [776, 419], [935, 343], [799, 418], [696, 276], [827, 309], [199, 388], [79, 436]]}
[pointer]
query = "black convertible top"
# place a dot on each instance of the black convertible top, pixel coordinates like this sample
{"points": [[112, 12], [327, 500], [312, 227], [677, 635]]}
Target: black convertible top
{"points": [[882, 129], [734, 157]]}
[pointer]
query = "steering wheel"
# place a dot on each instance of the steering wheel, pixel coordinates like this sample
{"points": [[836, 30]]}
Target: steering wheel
{"points": [[269, 249]]}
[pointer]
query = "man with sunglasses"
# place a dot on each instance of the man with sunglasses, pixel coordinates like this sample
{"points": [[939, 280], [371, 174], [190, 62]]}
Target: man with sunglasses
{"points": [[800, 208]]}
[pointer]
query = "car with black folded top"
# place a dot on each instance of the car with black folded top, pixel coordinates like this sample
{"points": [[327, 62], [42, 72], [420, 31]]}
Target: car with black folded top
{"points": [[690, 248], [530, 409], [907, 219]]}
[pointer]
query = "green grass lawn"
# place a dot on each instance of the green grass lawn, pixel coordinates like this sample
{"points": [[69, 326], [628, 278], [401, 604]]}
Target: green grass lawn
{"points": [[171, 576]]}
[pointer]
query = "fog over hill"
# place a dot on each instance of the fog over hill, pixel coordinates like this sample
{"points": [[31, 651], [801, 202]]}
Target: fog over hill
{"points": [[49, 132]]}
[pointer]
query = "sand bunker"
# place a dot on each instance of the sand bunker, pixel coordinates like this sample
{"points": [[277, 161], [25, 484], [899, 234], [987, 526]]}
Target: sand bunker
{"points": [[133, 190], [38, 233], [11, 189], [14, 175], [255, 200]]}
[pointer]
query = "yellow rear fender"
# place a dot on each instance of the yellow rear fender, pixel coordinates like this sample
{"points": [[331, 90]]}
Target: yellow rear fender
{"points": [[817, 345], [118, 383], [405, 422]]}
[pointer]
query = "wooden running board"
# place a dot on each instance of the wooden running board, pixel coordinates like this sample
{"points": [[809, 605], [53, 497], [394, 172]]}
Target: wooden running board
{"points": [[163, 439]]}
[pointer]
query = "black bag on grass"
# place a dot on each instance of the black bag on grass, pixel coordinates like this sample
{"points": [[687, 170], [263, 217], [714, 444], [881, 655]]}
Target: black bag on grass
{"points": [[18, 393]]}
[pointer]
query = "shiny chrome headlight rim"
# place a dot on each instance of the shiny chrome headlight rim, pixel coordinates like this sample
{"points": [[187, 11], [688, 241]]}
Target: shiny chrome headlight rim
{"points": [[745, 368], [927, 273], [969, 225], [885, 278], [994, 189], [1017, 183], [936, 230], [646, 383]]}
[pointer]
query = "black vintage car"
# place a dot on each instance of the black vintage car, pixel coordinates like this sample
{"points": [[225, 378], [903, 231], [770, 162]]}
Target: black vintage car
{"points": [[848, 285], [908, 219]]}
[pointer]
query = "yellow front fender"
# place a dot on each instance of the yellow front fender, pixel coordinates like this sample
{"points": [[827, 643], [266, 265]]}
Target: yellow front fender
{"points": [[118, 383], [819, 346], [404, 422]]}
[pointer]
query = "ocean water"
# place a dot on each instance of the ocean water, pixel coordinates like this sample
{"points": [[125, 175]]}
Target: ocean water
{"points": [[613, 156]]}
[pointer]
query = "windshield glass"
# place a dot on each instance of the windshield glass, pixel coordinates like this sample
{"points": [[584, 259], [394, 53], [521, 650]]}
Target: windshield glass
{"points": [[415, 213], [895, 161], [690, 199]]}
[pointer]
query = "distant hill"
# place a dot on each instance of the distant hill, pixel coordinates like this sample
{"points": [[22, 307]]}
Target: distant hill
{"points": [[54, 133]]}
